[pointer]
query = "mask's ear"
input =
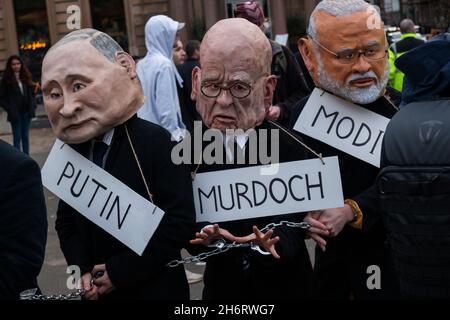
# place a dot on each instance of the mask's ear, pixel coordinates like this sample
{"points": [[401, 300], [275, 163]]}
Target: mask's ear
{"points": [[127, 62], [305, 49], [269, 89], [195, 83], [308, 56]]}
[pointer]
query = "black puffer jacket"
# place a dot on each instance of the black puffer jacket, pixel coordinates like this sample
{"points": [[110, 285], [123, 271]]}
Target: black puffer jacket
{"points": [[14, 102]]}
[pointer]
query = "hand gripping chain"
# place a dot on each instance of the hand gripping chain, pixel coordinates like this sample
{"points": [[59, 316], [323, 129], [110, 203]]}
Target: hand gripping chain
{"points": [[31, 294], [221, 246]]}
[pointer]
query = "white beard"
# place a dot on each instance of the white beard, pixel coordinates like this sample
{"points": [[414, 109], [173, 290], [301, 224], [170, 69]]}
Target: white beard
{"points": [[348, 92]]}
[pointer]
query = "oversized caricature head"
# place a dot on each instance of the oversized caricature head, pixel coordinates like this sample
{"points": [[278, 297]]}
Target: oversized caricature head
{"points": [[90, 86], [346, 50], [234, 88]]}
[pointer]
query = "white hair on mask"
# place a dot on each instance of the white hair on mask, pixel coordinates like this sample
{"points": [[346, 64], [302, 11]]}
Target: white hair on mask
{"points": [[338, 8], [101, 41]]}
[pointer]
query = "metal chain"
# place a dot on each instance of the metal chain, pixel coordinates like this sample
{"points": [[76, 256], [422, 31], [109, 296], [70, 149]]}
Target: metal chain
{"points": [[31, 294], [301, 225], [222, 247]]}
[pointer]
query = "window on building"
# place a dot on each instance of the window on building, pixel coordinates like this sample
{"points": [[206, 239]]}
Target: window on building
{"points": [[32, 33], [109, 16], [391, 6]]}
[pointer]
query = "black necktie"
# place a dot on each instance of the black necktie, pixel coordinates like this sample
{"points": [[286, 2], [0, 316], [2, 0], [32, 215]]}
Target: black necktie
{"points": [[98, 152]]}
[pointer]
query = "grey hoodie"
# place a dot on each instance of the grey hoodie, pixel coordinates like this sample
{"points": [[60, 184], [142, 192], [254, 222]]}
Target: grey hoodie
{"points": [[158, 76]]}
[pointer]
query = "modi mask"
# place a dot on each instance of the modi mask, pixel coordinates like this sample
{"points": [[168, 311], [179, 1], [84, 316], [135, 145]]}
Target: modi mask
{"points": [[347, 55]]}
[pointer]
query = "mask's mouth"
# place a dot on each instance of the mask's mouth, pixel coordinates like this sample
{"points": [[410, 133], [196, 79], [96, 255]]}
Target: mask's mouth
{"points": [[224, 119], [77, 125], [363, 82]]}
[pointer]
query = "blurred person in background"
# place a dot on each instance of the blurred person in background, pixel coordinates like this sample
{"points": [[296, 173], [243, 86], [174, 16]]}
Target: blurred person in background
{"points": [[291, 87], [408, 41], [17, 97], [188, 109]]}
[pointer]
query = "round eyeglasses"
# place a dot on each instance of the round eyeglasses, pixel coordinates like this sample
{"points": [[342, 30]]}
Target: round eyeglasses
{"points": [[238, 89]]}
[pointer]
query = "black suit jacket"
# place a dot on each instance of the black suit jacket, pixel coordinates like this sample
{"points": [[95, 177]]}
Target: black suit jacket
{"points": [[23, 222], [84, 244], [245, 274]]}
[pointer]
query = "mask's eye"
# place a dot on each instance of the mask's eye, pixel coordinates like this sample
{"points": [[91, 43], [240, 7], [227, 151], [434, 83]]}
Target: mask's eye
{"points": [[211, 90], [213, 86], [348, 55], [55, 94], [78, 86], [240, 90], [371, 52], [240, 87]]}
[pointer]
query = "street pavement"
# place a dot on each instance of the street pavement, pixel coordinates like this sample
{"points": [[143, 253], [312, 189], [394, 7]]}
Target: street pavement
{"points": [[53, 277]]}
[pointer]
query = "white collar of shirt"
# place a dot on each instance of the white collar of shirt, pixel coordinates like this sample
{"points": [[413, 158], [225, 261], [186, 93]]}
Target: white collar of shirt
{"points": [[241, 140], [107, 138]]}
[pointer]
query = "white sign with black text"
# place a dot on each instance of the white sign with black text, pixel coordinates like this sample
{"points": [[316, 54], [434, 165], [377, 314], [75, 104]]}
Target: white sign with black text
{"points": [[100, 197], [343, 125], [299, 186]]}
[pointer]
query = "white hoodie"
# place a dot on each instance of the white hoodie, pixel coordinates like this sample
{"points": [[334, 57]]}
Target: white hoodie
{"points": [[158, 74]]}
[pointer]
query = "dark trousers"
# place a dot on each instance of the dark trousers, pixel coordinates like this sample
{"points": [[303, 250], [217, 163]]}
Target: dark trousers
{"points": [[21, 132]]}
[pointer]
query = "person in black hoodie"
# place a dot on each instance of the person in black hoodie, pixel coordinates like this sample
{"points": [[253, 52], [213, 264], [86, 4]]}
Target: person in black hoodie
{"points": [[23, 222], [414, 183], [17, 98], [348, 59], [432, 79]]}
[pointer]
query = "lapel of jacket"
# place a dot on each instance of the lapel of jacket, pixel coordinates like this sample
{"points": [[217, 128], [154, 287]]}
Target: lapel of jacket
{"points": [[116, 144], [119, 141]]}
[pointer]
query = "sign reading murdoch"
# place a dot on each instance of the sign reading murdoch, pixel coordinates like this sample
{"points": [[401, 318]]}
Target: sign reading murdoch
{"points": [[299, 186]]}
